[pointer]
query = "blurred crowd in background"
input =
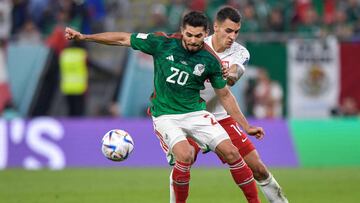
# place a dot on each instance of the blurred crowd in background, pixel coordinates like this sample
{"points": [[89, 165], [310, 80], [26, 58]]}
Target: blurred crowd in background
{"points": [[43, 22], [38, 18]]}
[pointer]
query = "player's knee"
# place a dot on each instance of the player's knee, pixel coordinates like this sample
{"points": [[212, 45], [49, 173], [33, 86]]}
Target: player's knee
{"points": [[186, 156], [231, 154], [183, 152]]}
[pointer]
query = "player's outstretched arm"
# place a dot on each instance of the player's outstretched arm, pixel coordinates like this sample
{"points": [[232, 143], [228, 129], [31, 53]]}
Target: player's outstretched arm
{"points": [[227, 99], [108, 38]]}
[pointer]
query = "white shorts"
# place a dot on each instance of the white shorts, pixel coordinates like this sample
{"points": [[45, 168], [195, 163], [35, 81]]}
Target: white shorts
{"points": [[200, 125]]}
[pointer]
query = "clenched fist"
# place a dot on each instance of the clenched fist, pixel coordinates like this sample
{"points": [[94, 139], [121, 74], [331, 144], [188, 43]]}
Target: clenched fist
{"points": [[71, 34], [258, 132]]}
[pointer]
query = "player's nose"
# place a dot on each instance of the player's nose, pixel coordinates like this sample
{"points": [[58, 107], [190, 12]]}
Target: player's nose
{"points": [[192, 40], [232, 36]]}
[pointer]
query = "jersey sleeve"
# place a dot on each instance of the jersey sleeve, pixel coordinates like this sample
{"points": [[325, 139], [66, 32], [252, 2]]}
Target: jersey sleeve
{"points": [[146, 42], [241, 59], [216, 78]]}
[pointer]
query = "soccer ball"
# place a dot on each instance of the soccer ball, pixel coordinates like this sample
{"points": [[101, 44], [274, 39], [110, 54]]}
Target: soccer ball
{"points": [[116, 145]]}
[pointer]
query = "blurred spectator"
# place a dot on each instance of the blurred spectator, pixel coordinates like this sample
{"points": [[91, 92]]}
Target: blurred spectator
{"points": [[93, 14], [348, 107], [29, 34], [342, 27], [353, 10], [250, 23], [158, 19], [249, 96], [5, 19], [74, 77], [19, 14], [75, 12], [118, 10], [198, 5], [308, 26], [236, 4], [56, 41], [4, 88], [212, 7], [36, 9], [329, 10], [276, 21], [268, 97], [301, 9], [175, 11], [262, 9]]}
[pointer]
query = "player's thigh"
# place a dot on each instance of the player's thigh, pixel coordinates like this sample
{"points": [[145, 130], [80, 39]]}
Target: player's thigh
{"points": [[183, 151], [205, 130], [227, 151], [237, 136], [194, 150], [168, 131]]}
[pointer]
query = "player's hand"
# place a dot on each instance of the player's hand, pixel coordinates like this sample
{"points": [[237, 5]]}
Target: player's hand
{"points": [[225, 71], [71, 34], [258, 132]]}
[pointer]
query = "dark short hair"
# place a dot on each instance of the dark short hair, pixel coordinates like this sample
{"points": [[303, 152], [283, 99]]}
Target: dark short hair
{"points": [[228, 12], [195, 19]]}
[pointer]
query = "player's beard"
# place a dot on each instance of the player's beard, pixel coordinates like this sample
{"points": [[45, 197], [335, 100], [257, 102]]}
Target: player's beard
{"points": [[198, 47]]}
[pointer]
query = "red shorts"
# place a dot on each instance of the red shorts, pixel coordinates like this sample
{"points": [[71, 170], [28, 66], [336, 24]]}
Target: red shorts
{"points": [[237, 136]]}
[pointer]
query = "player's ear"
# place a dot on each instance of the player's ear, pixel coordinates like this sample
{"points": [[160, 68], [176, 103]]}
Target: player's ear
{"points": [[216, 26], [207, 32]]}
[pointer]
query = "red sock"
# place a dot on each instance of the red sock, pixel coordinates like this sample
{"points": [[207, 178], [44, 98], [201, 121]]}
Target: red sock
{"points": [[181, 179], [244, 178]]}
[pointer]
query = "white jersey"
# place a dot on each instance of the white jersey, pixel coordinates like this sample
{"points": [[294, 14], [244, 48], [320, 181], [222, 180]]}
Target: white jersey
{"points": [[236, 54]]}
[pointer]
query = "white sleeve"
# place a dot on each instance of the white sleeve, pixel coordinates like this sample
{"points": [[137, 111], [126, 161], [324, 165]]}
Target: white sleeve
{"points": [[241, 59], [240, 70]]}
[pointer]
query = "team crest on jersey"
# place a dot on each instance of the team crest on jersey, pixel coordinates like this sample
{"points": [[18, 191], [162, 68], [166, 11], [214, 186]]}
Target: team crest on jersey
{"points": [[199, 69]]}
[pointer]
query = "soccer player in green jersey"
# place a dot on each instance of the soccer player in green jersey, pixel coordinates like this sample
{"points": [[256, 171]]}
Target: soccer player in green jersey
{"points": [[181, 65]]}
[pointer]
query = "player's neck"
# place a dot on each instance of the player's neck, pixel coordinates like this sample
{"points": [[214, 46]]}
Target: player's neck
{"points": [[216, 45]]}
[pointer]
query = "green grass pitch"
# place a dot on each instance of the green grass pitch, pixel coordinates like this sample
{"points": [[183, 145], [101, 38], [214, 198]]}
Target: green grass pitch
{"points": [[139, 185]]}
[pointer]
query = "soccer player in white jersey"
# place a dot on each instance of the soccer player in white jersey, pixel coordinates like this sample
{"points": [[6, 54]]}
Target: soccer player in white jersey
{"points": [[231, 53]]}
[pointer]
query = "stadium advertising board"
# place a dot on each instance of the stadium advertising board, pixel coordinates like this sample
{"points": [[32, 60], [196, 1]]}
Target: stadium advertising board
{"points": [[58, 143]]}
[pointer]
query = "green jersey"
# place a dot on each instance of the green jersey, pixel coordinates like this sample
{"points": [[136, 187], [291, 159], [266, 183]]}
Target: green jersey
{"points": [[179, 75]]}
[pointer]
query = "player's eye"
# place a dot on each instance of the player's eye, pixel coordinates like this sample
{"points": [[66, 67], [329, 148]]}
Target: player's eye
{"points": [[199, 35]]}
